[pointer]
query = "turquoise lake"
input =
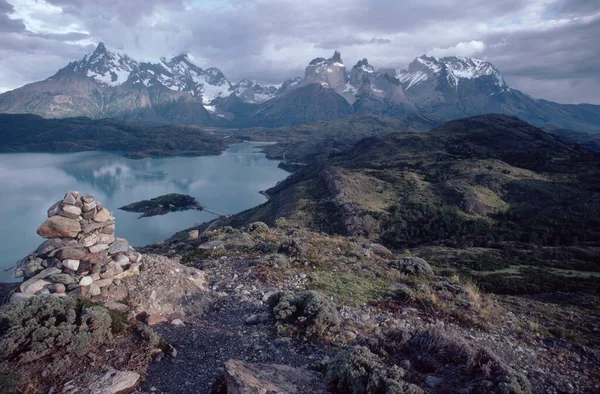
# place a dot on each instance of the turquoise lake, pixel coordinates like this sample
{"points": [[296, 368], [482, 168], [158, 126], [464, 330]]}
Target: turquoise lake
{"points": [[32, 182]]}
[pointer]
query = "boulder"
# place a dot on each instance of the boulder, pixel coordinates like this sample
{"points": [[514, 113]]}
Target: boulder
{"points": [[86, 281], [113, 382], [245, 378], [33, 285], [59, 227]]}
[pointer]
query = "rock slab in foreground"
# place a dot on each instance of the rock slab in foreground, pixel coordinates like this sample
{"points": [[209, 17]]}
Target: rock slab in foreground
{"points": [[246, 378], [113, 382]]}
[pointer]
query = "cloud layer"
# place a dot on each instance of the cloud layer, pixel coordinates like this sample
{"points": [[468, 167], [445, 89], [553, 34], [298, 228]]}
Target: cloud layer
{"points": [[547, 48]]}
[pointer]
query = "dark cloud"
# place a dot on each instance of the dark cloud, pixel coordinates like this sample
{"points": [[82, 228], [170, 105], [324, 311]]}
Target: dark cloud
{"points": [[8, 24], [537, 44]]}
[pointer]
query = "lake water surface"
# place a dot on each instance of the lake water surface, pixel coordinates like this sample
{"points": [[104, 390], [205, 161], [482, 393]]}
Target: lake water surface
{"points": [[31, 182]]}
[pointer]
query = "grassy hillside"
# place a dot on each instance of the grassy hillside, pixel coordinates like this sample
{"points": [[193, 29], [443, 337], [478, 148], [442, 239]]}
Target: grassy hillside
{"points": [[501, 189]]}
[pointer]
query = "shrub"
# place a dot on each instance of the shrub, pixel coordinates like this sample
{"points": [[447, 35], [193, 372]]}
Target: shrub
{"points": [[358, 371], [308, 311], [412, 266], [256, 228], [460, 365], [39, 326]]}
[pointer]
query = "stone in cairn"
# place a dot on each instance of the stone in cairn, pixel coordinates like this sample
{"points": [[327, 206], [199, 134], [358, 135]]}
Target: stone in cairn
{"points": [[81, 256]]}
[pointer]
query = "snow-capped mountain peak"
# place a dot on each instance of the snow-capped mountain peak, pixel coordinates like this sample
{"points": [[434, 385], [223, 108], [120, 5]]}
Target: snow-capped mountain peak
{"points": [[454, 68], [106, 67]]}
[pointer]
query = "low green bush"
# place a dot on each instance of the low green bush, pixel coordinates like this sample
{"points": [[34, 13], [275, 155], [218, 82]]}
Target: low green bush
{"points": [[309, 312]]}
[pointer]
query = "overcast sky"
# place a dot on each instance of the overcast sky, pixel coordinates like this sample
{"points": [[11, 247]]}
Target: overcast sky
{"points": [[547, 48]]}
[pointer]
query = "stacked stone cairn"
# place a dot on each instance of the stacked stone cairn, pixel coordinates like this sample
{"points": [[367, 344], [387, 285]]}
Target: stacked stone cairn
{"points": [[81, 257]]}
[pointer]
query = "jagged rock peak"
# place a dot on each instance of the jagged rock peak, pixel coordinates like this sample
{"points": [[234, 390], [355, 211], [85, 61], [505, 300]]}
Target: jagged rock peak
{"points": [[364, 65], [337, 57]]}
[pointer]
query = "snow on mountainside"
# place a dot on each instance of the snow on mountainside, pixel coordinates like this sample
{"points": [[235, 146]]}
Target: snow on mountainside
{"points": [[251, 91], [180, 74], [109, 68], [455, 68]]}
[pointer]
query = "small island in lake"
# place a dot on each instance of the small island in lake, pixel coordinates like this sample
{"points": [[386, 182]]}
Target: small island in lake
{"points": [[164, 204]]}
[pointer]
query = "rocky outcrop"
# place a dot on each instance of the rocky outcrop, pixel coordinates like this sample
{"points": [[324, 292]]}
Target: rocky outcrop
{"points": [[82, 256]]}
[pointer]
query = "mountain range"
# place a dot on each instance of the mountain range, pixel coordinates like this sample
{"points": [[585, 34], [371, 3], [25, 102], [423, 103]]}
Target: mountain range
{"points": [[109, 84]]}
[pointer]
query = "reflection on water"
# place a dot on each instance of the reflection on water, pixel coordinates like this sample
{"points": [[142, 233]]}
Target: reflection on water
{"points": [[31, 182]]}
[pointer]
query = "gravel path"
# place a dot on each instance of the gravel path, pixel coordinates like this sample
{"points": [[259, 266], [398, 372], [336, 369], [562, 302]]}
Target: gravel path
{"points": [[220, 335]]}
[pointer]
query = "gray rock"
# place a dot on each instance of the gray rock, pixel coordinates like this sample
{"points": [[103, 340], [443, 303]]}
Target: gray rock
{"points": [[121, 259], [103, 282], [86, 281], [47, 272], [102, 215], [120, 245], [68, 215], [257, 318], [75, 252], [33, 285], [69, 199], [246, 378], [72, 209], [117, 306], [58, 288], [106, 238], [88, 227], [433, 381], [65, 279], [110, 229], [32, 267], [88, 206], [90, 240], [98, 248], [54, 209], [16, 297], [177, 322], [94, 290], [52, 244], [113, 382], [73, 265]]}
